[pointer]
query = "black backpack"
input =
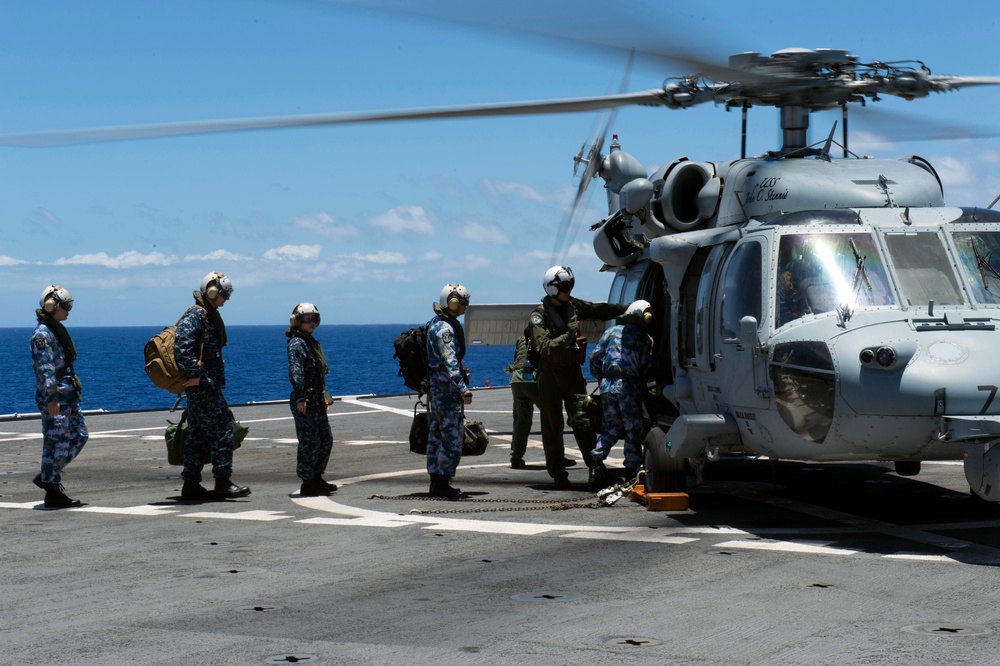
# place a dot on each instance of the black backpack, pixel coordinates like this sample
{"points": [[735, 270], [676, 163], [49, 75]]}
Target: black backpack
{"points": [[411, 352]]}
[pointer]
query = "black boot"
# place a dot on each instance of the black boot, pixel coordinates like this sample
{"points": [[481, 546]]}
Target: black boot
{"points": [[598, 478], [226, 489], [56, 498], [41, 484], [194, 491], [313, 488], [441, 487], [330, 487]]}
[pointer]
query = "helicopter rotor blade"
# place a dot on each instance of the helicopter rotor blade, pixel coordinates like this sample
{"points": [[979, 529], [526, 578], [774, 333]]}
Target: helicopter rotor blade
{"points": [[652, 97], [564, 237], [897, 127]]}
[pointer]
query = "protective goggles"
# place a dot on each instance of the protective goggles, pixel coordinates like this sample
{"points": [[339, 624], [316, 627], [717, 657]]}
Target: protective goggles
{"points": [[308, 318], [565, 286], [65, 305]]}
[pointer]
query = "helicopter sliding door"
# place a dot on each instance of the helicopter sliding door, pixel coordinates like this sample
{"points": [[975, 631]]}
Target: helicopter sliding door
{"points": [[740, 365]]}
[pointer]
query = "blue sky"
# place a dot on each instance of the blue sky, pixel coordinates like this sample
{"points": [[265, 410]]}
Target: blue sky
{"points": [[369, 222]]}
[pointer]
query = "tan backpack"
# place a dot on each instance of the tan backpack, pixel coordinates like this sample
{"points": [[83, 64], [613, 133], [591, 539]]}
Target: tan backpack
{"points": [[161, 366]]}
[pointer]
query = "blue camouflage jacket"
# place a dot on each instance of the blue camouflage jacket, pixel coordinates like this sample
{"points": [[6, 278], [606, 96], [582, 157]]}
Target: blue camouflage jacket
{"points": [[303, 371], [622, 359], [193, 325], [443, 356], [52, 382]]}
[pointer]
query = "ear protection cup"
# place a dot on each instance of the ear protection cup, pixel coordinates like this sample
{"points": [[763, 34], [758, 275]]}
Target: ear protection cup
{"points": [[212, 292], [50, 305], [292, 321]]}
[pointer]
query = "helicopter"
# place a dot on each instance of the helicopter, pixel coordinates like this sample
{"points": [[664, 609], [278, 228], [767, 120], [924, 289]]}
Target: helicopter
{"points": [[809, 307], [806, 306]]}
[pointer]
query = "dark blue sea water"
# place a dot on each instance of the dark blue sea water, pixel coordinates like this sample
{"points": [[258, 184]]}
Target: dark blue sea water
{"points": [[110, 364]]}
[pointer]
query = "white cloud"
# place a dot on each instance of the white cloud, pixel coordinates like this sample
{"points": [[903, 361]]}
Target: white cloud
{"points": [[432, 255], [480, 233], [323, 224], [293, 252], [518, 190], [473, 262], [862, 142], [380, 257], [130, 259], [953, 172], [405, 218], [217, 255], [10, 261]]}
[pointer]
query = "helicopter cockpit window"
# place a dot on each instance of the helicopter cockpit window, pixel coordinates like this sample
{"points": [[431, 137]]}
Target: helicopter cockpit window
{"points": [[979, 255], [924, 268], [821, 272], [741, 295]]}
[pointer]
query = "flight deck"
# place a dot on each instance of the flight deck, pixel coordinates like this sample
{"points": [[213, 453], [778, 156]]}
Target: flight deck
{"points": [[780, 563]]}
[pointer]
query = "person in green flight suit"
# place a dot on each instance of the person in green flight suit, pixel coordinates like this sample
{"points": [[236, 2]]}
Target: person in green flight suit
{"points": [[555, 335]]}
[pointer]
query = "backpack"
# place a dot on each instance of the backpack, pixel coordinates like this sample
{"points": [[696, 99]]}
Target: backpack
{"points": [[411, 352], [161, 366]]}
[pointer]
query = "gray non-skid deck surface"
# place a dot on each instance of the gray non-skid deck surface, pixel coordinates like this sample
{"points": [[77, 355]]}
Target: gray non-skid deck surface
{"points": [[774, 564]]}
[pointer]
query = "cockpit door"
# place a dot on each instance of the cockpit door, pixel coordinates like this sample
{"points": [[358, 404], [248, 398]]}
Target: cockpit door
{"points": [[740, 359]]}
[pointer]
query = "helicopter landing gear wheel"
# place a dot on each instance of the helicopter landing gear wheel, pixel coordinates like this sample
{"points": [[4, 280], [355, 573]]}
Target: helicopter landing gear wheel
{"points": [[664, 473]]}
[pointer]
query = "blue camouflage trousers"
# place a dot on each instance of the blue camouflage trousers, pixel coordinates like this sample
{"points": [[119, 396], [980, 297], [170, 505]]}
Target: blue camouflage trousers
{"points": [[63, 436], [446, 424], [622, 414], [315, 440], [210, 427]]}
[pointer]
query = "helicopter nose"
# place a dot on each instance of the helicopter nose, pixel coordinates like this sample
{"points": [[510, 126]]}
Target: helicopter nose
{"points": [[922, 376]]}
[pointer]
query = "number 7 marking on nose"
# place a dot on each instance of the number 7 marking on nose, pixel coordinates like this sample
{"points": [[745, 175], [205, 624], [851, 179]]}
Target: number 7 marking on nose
{"points": [[989, 400]]}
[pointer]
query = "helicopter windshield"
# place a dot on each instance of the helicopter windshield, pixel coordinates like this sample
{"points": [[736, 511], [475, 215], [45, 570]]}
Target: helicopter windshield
{"points": [[822, 272], [924, 268], [979, 254]]}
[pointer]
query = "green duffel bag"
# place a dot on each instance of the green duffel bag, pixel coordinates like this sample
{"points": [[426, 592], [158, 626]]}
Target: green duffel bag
{"points": [[176, 434]]}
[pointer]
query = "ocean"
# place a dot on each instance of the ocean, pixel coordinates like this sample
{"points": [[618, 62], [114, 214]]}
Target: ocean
{"points": [[110, 365]]}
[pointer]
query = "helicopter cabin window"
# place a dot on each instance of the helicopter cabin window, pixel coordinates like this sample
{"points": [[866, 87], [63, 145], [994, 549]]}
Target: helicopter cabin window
{"points": [[741, 293], [820, 272], [979, 255], [924, 268]]}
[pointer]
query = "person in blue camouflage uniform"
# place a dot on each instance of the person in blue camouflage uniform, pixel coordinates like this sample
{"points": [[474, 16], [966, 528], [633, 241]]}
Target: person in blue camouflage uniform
{"points": [[307, 368], [622, 360], [200, 337], [449, 391], [57, 395]]}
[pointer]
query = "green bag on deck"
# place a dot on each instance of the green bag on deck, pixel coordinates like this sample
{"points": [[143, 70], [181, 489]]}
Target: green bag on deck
{"points": [[176, 434]]}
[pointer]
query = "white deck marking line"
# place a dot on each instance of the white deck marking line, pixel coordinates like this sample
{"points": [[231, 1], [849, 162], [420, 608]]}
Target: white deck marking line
{"points": [[788, 547], [379, 408], [922, 558], [366, 442], [264, 516], [19, 505], [143, 510], [978, 551], [645, 537]]}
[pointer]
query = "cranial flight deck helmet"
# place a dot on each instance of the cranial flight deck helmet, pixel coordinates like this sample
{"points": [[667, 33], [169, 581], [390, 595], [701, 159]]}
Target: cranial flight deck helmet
{"points": [[54, 296], [453, 295], [304, 313], [558, 279], [215, 284], [641, 309]]}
